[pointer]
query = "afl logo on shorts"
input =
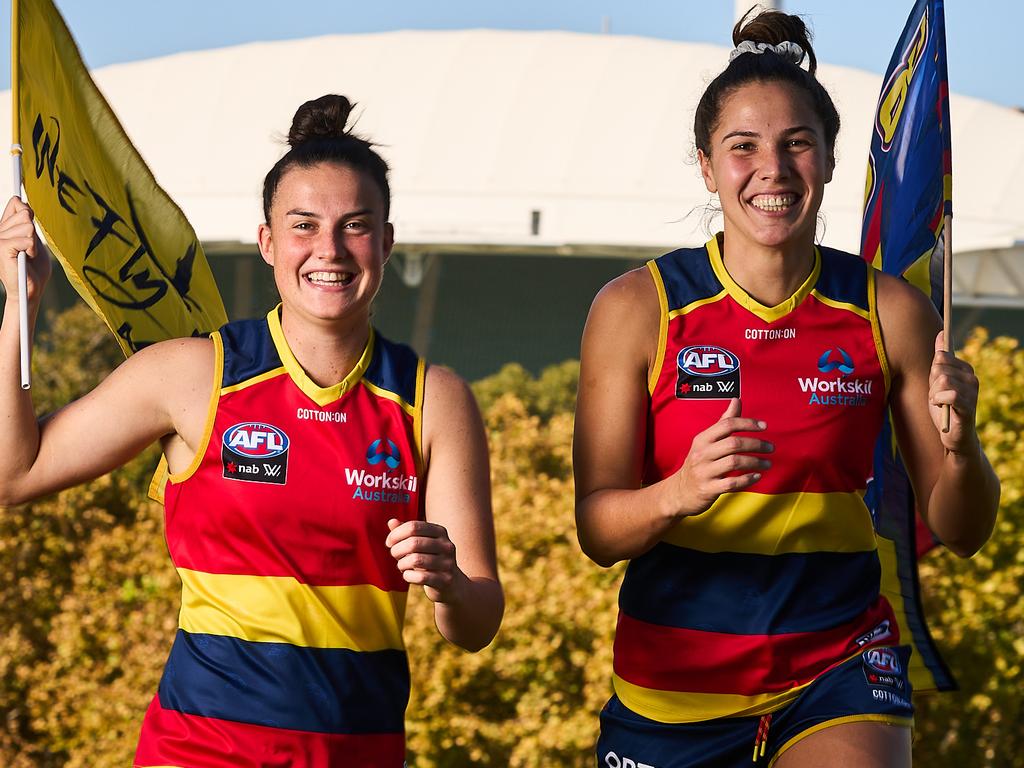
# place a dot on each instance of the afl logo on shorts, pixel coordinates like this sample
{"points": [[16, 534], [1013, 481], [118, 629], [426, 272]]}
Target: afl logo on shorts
{"points": [[256, 453], [883, 660], [882, 668], [707, 372]]}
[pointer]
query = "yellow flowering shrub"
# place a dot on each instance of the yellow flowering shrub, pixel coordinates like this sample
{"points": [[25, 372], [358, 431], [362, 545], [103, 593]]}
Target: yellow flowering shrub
{"points": [[88, 598], [42, 544], [975, 606], [532, 697]]}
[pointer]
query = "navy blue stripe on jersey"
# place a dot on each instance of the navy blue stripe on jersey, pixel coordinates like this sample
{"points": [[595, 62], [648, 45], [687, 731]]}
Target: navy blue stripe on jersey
{"points": [[324, 690], [749, 594], [688, 276], [393, 368], [844, 277], [248, 351]]}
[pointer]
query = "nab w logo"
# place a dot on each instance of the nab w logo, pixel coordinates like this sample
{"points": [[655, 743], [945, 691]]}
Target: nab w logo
{"points": [[707, 372], [254, 452], [378, 452], [845, 364]]}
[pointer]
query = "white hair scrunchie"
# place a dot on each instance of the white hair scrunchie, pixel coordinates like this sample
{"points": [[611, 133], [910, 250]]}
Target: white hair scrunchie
{"points": [[787, 50]]}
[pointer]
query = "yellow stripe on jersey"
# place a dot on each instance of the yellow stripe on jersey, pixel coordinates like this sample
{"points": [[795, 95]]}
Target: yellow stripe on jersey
{"points": [[265, 376], [698, 303], [211, 412], [417, 416], [279, 609], [163, 474], [659, 357], [876, 328], [389, 395], [686, 707], [859, 311], [771, 524], [748, 302], [920, 676], [320, 395]]}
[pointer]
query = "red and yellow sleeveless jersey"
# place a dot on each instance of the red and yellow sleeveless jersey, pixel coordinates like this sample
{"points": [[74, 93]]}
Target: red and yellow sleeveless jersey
{"points": [[736, 609], [289, 649]]}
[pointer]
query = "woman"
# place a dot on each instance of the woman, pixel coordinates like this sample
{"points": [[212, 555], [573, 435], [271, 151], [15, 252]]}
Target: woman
{"points": [[729, 401], [316, 471]]}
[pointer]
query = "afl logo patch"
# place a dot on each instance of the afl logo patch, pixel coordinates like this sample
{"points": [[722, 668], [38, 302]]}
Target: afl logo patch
{"points": [[883, 660], [882, 668], [255, 452], [707, 372]]}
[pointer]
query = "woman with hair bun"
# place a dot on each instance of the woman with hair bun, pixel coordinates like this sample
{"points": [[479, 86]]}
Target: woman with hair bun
{"points": [[316, 471], [729, 401]]}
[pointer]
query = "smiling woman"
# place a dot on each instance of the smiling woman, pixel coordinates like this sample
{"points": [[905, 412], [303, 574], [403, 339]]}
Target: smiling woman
{"points": [[316, 471], [729, 401]]}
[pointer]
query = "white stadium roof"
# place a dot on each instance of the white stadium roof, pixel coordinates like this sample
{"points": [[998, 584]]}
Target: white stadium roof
{"points": [[482, 128]]}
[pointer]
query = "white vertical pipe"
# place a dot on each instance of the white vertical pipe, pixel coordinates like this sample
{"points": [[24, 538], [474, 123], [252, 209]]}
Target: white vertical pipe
{"points": [[26, 360]]}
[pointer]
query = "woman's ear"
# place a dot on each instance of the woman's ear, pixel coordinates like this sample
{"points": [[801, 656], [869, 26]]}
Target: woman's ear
{"points": [[389, 240], [266, 243], [707, 172]]}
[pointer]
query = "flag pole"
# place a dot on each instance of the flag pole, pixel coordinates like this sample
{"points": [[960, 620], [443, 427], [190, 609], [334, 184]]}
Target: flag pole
{"points": [[26, 369], [947, 298]]}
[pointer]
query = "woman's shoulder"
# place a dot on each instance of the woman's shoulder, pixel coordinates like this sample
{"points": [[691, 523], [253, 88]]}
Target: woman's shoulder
{"points": [[628, 298], [445, 389], [901, 303], [177, 355], [627, 310], [177, 373], [908, 319]]}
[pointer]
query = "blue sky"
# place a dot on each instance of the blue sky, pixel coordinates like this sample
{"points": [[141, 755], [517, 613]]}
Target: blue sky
{"points": [[983, 35]]}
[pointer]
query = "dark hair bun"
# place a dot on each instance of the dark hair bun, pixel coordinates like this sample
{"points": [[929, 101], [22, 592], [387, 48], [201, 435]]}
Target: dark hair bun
{"points": [[774, 27], [323, 118]]}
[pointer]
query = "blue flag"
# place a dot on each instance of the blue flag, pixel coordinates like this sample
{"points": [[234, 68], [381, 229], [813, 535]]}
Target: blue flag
{"points": [[907, 196]]}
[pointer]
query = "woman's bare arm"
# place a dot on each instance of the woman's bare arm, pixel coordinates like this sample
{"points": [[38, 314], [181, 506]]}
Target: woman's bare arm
{"points": [[956, 489]]}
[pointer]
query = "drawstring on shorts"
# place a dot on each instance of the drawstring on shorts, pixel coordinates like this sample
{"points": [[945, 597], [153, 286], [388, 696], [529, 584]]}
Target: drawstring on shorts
{"points": [[761, 741]]}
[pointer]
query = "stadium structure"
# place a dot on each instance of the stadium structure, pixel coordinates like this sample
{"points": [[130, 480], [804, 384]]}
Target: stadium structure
{"points": [[528, 168]]}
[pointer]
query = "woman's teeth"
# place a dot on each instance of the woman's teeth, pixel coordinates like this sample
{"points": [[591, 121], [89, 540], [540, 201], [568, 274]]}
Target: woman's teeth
{"points": [[773, 203], [330, 278]]}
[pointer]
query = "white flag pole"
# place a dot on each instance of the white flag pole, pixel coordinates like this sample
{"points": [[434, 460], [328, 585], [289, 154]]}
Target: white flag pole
{"points": [[26, 361], [26, 348]]}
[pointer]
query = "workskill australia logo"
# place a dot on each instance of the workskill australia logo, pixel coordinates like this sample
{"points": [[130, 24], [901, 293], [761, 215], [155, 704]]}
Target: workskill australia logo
{"points": [[383, 482], [707, 372], [255, 452], [379, 452], [844, 389], [828, 363]]}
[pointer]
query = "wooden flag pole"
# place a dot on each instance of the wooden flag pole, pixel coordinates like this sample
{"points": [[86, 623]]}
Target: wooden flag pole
{"points": [[26, 361], [947, 298]]}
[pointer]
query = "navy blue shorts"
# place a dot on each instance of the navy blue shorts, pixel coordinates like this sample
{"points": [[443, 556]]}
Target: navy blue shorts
{"points": [[872, 686]]}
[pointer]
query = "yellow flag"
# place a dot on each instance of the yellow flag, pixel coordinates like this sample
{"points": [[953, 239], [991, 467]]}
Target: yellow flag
{"points": [[124, 244]]}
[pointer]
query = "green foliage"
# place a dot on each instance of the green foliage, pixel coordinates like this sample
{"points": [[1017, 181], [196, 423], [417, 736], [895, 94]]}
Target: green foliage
{"points": [[975, 606], [88, 598], [43, 554], [553, 392]]}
